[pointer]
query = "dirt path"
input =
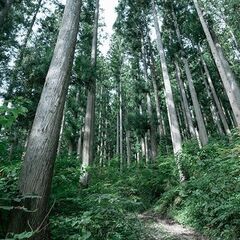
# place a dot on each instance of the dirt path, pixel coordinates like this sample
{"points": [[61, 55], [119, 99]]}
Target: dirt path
{"points": [[163, 229]]}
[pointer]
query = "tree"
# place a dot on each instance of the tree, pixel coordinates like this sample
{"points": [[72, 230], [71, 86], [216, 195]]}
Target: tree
{"points": [[227, 76], [37, 170], [88, 138], [172, 115]]}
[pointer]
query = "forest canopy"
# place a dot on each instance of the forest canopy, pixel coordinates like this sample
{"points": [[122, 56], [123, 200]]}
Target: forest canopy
{"points": [[114, 145]]}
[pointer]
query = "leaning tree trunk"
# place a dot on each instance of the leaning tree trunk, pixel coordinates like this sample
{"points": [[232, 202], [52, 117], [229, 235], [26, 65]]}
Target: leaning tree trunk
{"points": [[185, 101], [215, 97], [197, 109], [215, 115], [223, 67], [5, 10], [199, 117], [37, 171], [172, 115], [88, 138]]}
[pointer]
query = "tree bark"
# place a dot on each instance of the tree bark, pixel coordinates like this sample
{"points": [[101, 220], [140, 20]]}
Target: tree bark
{"points": [[172, 115], [120, 126], [128, 148], [215, 97], [199, 117], [197, 109], [88, 138], [152, 129], [223, 67], [185, 101], [37, 171]]}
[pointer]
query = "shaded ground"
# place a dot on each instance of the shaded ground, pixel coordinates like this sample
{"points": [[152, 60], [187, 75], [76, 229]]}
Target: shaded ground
{"points": [[165, 229]]}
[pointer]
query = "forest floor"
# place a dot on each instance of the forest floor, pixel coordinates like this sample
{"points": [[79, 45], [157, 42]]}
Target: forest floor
{"points": [[159, 228]]}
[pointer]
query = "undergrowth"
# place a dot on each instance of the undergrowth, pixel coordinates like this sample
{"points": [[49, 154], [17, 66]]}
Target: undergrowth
{"points": [[209, 200]]}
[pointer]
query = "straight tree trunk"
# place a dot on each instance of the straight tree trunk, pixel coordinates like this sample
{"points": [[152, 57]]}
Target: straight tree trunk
{"points": [[120, 126], [152, 129], [117, 142], [37, 171], [155, 88], [128, 148], [185, 101], [149, 109], [172, 115], [79, 144], [223, 67], [88, 138], [5, 10]]}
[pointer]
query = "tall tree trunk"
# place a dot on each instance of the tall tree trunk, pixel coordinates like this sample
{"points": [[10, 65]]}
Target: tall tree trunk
{"points": [[215, 115], [4, 11], [79, 144], [199, 117], [120, 126], [149, 108], [88, 138], [197, 109], [215, 97], [185, 101], [152, 129], [37, 171], [155, 88], [172, 115], [223, 67], [29, 31], [128, 148], [117, 142]]}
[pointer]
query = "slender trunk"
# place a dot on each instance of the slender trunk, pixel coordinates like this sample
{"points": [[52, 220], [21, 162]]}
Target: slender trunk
{"points": [[146, 146], [149, 109], [37, 171], [120, 126], [155, 88], [5, 10], [117, 145], [223, 67], [79, 144], [185, 101], [152, 129], [215, 115], [215, 97], [197, 109], [128, 148], [172, 115], [88, 138], [199, 117], [29, 31]]}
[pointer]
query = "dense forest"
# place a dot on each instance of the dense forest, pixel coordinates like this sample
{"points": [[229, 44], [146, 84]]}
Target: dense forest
{"points": [[140, 143]]}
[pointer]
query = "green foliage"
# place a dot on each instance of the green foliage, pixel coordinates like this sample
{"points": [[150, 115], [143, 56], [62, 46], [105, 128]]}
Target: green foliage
{"points": [[8, 115], [209, 201]]}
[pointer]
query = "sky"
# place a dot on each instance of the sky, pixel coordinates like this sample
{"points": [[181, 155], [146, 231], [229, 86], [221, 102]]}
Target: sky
{"points": [[109, 16]]}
